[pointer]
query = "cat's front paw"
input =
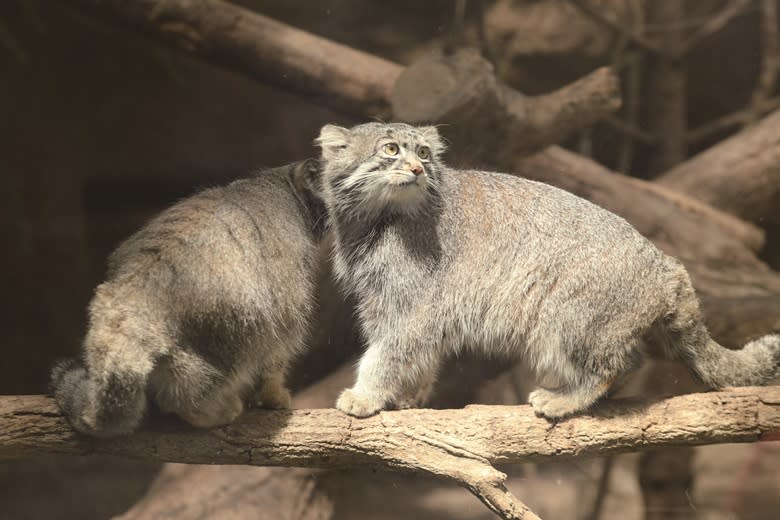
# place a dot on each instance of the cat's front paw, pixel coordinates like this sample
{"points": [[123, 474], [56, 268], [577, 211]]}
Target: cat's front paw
{"points": [[357, 404], [550, 405]]}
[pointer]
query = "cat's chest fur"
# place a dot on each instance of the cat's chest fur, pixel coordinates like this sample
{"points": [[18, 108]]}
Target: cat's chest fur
{"points": [[390, 262]]}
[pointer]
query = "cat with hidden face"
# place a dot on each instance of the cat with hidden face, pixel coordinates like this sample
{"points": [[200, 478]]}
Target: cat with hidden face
{"points": [[439, 260], [203, 309]]}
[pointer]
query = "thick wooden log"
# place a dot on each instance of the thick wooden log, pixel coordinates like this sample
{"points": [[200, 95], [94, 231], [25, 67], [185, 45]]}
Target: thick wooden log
{"points": [[740, 175], [191, 491], [237, 38], [411, 439]]}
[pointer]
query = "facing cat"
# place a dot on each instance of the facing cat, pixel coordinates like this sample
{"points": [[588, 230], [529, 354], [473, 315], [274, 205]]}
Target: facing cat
{"points": [[207, 302], [439, 259]]}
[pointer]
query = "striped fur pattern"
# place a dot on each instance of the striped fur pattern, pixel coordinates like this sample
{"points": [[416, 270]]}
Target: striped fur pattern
{"points": [[203, 309], [508, 267]]}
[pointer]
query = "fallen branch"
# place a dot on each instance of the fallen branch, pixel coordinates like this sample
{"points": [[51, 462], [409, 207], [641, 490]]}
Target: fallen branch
{"points": [[740, 175], [332, 74], [618, 28], [195, 491], [716, 23], [262, 48], [265, 49], [457, 445]]}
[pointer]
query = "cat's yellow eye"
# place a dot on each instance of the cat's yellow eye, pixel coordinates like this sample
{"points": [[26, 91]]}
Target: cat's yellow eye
{"points": [[423, 152], [390, 149]]}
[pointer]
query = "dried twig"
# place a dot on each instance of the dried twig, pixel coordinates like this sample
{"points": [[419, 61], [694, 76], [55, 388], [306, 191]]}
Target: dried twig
{"points": [[636, 133], [632, 37], [732, 120], [714, 24]]}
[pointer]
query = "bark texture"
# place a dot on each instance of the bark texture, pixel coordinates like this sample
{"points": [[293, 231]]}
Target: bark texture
{"points": [[448, 443]]}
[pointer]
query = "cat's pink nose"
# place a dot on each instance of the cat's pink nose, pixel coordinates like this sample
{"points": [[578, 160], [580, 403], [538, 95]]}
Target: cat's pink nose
{"points": [[416, 169]]}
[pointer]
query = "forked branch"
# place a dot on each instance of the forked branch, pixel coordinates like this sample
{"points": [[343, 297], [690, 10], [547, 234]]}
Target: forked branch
{"points": [[458, 445]]}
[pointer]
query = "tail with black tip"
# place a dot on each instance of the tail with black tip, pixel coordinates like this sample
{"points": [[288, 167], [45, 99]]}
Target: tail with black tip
{"points": [[108, 405]]}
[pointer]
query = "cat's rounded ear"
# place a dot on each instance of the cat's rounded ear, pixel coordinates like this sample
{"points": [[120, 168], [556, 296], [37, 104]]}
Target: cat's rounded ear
{"points": [[436, 141], [332, 140]]}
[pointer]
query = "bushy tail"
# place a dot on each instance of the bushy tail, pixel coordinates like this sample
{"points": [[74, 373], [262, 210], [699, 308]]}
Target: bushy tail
{"points": [[110, 405], [756, 363]]}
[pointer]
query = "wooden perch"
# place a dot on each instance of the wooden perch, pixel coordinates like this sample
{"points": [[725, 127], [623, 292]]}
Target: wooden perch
{"points": [[457, 445], [463, 88], [740, 175]]}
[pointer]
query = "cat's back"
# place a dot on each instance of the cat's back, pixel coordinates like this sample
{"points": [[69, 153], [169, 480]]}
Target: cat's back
{"points": [[246, 244], [501, 205], [513, 227]]}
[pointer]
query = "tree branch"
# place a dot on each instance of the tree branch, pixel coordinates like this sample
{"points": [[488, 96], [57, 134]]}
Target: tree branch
{"points": [[618, 28], [714, 24], [740, 174], [271, 51], [463, 92], [458, 445], [344, 78], [262, 48]]}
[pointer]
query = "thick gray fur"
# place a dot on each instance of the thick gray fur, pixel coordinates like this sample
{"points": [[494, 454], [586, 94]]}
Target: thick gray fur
{"points": [[450, 259], [205, 305]]}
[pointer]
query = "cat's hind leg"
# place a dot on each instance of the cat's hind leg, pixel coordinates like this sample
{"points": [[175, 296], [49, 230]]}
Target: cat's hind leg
{"points": [[273, 365], [217, 410], [272, 392], [185, 384]]}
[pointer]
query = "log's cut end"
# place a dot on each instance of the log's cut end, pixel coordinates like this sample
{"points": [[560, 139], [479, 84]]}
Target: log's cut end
{"points": [[462, 90], [435, 87]]}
